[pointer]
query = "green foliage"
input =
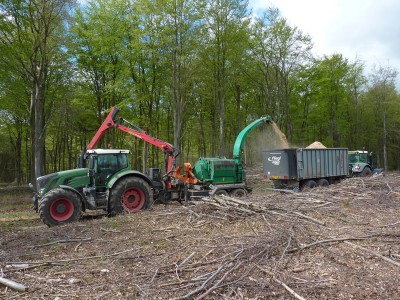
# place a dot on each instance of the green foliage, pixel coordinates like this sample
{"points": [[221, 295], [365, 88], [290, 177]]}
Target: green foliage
{"points": [[193, 73]]}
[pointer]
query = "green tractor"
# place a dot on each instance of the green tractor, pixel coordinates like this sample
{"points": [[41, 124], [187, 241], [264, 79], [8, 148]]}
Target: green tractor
{"points": [[360, 163], [108, 184]]}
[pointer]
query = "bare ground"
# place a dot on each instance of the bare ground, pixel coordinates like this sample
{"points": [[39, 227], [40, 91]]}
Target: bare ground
{"points": [[341, 242]]}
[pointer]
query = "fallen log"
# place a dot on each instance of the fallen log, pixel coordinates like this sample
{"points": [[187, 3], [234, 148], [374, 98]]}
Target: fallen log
{"points": [[12, 284]]}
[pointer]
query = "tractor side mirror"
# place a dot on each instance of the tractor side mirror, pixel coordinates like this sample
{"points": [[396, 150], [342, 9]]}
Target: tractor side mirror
{"points": [[92, 165], [81, 162]]}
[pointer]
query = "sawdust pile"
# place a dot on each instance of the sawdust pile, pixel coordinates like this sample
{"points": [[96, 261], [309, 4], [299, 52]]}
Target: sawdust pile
{"points": [[316, 145]]}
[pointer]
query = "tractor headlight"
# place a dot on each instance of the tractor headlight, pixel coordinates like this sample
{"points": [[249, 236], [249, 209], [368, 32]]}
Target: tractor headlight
{"points": [[32, 187], [42, 181]]}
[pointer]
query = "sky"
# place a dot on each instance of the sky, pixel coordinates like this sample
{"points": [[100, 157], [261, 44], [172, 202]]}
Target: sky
{"points": [[367, 30]]}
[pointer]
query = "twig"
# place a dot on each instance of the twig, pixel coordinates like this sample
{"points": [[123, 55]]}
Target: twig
{"points": [[297, 296], [77, 246], [164, 229], [200, 288], [292, 292], [323, 242], [215, 286], [389, 225], [61, 242], [309, 218], [187, 259], [76, 259], [374, 253], [110, 230]]}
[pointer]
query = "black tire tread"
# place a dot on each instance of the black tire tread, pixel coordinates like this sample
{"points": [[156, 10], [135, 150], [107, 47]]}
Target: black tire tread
{"points": [[114, 203], [45, 203], [241, 192]]}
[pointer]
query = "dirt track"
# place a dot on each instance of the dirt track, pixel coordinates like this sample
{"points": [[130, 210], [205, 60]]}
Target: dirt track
{"points": [[341, 242]]}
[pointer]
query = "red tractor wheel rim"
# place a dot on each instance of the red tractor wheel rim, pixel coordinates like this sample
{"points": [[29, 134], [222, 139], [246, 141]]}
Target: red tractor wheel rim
{"points": [[61, 209], [133, 200]]}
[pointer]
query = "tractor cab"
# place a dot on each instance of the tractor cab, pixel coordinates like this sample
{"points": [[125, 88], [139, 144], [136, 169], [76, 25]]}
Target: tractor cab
{"points": [[104, 163], [356, 157], [360, 163]]}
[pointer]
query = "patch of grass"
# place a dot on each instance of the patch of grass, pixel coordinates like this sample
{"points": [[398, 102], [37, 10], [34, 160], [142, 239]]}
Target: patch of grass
{"points": [[16, 210], [16, 225], [11, 201]]}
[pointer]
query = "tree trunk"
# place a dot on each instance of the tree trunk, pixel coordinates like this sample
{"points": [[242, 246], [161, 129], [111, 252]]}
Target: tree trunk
{"points": [[238, 104], [39, 129], [385, 161], [32, 139]]}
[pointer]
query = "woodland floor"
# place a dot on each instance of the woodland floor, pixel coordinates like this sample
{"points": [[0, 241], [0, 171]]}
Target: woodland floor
{"points": [[341, 242]]}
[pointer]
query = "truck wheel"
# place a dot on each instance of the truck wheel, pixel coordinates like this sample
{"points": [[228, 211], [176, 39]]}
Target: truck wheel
{"points": [[323, 182], [238, 193], [366, 172], [60, 206], [221, 192], [309, 184], [130, 195]]}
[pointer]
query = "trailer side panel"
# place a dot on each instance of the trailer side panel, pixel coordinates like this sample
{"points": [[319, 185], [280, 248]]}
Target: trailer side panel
{"points": [[302, 163], [321, 163]]}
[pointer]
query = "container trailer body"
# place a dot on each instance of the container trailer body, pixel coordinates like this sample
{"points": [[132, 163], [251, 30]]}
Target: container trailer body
{"points": [[296, 168]]}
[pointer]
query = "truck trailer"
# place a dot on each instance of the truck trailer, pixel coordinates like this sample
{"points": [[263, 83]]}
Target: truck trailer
{"points": [[297, 168]]}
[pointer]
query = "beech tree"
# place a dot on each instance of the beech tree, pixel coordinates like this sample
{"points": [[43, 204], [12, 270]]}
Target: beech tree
{"points": [[29, 33], [384, 95], [281, 50]]}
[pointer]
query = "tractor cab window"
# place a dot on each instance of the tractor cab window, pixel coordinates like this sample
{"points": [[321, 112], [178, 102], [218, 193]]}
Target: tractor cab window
{"points": [[363, 158], [113, 162], [358, 158], [353, 158], [109, 164]]}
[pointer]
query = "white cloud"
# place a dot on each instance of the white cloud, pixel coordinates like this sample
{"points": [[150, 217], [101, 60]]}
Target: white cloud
{"points": [[368, 30]]}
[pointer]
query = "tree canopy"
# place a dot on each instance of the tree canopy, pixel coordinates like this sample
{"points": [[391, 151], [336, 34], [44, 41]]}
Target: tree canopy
{"points": [[193, 73]]}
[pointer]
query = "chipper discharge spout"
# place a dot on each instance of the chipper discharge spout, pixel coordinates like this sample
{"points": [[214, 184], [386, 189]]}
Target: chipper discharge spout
{"points": [[241, 138]]}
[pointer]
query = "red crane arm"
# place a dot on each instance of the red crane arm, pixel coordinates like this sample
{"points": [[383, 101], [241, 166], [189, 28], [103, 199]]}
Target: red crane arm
{"points": [[107, 124], [110, 122]]}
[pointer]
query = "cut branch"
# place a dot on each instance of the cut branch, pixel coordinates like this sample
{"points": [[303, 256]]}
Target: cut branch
{"points": [[12, 284]]}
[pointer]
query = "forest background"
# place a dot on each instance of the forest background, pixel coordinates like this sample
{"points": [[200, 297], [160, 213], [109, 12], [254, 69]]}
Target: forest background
{"points": [[191, 72]]}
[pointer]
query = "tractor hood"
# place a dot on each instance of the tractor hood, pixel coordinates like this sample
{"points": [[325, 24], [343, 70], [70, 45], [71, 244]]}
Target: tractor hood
{"points": [[74, 178]]}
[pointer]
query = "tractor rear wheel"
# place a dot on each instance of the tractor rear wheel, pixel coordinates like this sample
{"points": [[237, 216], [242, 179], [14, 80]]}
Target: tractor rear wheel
{"points": [[60, 206], [130, 195]]}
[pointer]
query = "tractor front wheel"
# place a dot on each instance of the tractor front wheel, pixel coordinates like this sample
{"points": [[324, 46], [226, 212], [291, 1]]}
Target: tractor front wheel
{"points": [[130, 195], [60, 206], [366, 172]]}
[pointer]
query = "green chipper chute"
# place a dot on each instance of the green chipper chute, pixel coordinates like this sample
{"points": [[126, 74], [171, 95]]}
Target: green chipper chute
{"points": [[224, 171], [239, 143]]}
